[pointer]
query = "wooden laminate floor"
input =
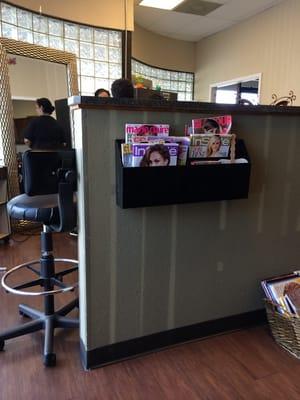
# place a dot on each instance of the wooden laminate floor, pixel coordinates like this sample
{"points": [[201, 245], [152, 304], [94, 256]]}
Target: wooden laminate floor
{"points": [[240, 365]]}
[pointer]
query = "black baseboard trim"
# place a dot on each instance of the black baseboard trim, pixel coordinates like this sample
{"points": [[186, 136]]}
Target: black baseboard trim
{"points": [[157, 341]]}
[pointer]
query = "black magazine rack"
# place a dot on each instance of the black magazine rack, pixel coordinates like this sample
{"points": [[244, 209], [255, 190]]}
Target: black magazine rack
{"points": [[145, 187]]}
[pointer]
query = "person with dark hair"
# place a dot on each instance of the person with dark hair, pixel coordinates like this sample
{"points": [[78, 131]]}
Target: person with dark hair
{"points": [[102, 93], [122, 88], [211, 126], [156, 155], [44, 132]]}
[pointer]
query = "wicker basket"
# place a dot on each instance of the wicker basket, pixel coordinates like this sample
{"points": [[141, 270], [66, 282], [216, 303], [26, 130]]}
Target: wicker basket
{"points": [[285, 328]]}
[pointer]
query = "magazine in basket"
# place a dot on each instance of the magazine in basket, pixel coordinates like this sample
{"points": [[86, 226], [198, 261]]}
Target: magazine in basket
{"points": [[284, 290]]}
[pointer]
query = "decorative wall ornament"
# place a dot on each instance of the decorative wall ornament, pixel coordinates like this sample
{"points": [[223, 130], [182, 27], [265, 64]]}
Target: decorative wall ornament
{"points": [[7, 137], [284, 100]]}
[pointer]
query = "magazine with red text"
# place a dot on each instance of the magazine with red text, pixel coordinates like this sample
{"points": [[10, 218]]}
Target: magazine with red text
{"points": [[218, 125], [145, 130]]}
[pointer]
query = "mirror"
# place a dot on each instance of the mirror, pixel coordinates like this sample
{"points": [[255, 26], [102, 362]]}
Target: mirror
{"points": [[7, 136]]}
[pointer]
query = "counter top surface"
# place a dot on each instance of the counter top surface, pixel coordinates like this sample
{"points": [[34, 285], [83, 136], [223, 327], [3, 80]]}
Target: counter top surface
{"points": [[178, 106]]}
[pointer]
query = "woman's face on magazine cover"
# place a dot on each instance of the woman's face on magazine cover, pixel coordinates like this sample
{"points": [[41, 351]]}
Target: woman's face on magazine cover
{"points": [[215, 144], [157, 160]]}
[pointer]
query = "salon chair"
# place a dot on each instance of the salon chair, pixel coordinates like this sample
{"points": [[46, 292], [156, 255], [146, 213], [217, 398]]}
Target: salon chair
{"points": [[49, 186]]}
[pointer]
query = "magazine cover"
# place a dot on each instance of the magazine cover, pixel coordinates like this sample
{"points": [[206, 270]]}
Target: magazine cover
{"points": [[146, 139], [212, 146], [145, 129], [126, 153], [183, 147], [220, 125], [283, 290], [154, 155]]}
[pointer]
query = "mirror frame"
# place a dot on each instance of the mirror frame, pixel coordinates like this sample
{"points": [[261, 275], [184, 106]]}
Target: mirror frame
{"points": [[7, 135]]}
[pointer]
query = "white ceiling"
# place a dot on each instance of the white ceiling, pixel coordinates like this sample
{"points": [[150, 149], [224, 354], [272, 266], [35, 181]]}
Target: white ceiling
{"points": [[192, 27]]}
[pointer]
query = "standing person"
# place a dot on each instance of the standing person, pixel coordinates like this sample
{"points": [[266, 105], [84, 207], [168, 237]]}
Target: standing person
{"points": [[44, 132], [102, 93], [122, 88]]}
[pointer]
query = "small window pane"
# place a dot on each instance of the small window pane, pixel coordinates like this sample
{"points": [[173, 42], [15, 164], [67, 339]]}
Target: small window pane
{"points": [[71, 30], [87, 68], [101, 36], [86, 33], [40, 38], [115, 38], [115, 71], [40, 24], [115, 55], [24, 19], [72, 46], [102, 83], [56, 43], [9, 13], [101, 69], [25, 35], [87, 84], [86, 50], [101, 53], [55, 27], [9, 31]]}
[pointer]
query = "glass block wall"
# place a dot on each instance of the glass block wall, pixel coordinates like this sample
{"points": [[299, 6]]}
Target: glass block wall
{"points": [[171, 81], [98, 51]]}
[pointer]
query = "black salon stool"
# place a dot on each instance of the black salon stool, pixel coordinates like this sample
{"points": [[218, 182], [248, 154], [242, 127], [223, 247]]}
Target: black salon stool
{"points": [[49, 185]]}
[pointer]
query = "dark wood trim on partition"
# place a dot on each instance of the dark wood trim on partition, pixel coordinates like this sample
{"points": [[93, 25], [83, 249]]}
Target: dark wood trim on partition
{"points": [[157, 341], [91, 102]]}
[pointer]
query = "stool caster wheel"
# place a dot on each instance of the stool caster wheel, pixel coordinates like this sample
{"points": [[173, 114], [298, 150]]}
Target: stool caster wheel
{"points": [[1, 345], [50, 360]]}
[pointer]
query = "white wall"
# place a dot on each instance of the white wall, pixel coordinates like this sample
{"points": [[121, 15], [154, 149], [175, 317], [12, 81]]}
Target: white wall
{"points": [[267, 43], [31, 78]]}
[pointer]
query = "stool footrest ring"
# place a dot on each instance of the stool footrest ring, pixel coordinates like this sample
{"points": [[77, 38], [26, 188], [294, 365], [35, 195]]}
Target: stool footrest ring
{"points": [[43, 293]]}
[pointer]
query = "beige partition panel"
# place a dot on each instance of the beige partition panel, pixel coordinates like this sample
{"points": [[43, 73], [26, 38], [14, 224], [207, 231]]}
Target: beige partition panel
{"points": [[152, 269]]}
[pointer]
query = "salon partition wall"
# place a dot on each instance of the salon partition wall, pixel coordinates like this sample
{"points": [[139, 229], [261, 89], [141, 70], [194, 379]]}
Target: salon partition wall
{"points": [[155, 276]]}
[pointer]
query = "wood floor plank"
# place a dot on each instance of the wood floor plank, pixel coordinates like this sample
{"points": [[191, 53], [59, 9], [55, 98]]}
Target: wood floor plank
{"points": [[242, 365]]}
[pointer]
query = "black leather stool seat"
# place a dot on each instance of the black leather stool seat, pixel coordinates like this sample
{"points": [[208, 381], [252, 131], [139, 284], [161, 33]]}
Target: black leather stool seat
{"points": [[42, 208]]}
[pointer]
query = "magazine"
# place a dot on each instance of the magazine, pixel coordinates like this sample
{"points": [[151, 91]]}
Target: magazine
{"points": [[145, 129], [212, 146], [126, 153], [154, 154], [146, 139], [280, 291], [292, 296], [183, 147], [220, 124]]}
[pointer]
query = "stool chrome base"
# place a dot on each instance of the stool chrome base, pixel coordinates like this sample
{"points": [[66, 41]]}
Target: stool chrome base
{"points": [[46, 322], [48, 319]]}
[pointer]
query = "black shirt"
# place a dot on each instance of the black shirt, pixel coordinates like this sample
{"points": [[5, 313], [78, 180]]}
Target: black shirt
{"points": [[44, 133]]}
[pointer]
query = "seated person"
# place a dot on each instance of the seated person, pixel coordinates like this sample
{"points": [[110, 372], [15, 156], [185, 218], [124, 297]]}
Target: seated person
{"points": [[122, 88], [44, 132], [102, 93]]}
